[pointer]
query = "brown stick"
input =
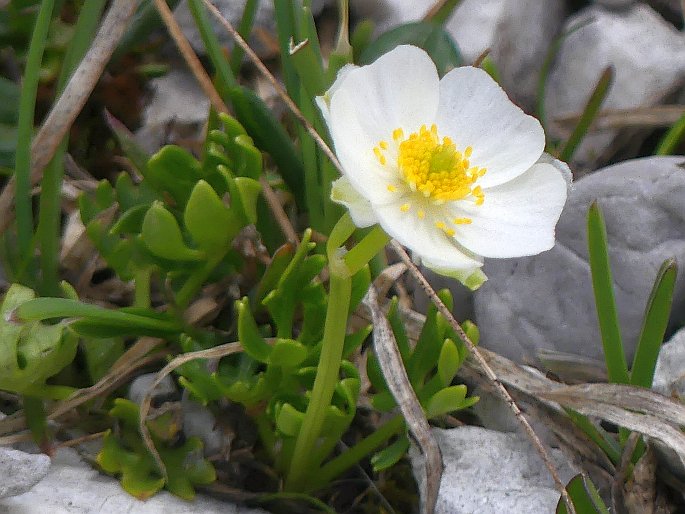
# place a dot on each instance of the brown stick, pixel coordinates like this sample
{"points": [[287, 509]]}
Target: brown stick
{"points": [[72, 100]]}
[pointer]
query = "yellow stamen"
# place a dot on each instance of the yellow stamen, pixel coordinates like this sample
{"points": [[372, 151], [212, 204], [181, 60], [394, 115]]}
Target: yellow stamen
{"points": [[391, 188], [405, 207], [434, 167], [421, 214], [462, 221]]}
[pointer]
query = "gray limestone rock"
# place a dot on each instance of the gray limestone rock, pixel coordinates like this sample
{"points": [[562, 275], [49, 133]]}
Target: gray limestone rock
{"points": [[73, 487], [646, 52], [162, 392], [20, 471], [669, 375], [545, 302], [488, 472]]}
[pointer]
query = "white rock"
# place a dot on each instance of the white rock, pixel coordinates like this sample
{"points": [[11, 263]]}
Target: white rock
{"points": [[669, 375], [73, 487], [488, 472], [198, 421], [546, 301], [141, 385], [178, 104], [20, 471], [520, 43], [647, 53]]}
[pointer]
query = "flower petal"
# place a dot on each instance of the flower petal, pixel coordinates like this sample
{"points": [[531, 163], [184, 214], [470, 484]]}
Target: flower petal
{"points": [[399, 90], [516, 218], [561, 166], [475, 111], [324, 101], [430, 243], [344, 193]]}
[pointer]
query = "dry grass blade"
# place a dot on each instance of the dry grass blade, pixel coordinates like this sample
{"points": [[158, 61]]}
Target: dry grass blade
{"points": [[636, 409], [639, 117], [396, 377], [489, 373], [277, 210], [211, 353], [72, 100]]}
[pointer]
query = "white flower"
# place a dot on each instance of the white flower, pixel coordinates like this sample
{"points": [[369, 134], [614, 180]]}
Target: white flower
{"points": [[450, 168]]}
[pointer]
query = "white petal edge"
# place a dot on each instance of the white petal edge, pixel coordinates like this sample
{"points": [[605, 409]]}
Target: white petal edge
{"points": [[421, 236], [517, 218], [323, 102], [344, 193], [475, 111], [561, 166], [472, 278]]}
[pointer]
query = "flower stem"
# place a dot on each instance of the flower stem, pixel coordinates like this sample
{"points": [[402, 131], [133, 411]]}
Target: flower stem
{"points": [[366, 249], [360, 450], [326, 378]]}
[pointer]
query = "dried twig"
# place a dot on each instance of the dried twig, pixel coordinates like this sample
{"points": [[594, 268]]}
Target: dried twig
{"points": [[278, 212], [211, 353], [396, 377], [189, 56], [72, 100], [487, 370]]}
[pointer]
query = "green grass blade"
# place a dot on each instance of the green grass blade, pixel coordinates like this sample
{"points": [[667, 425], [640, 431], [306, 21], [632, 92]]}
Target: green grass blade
{"points": [[672, 138], [49, 214], [589, 113], [602, 284], [27, 104], [223, 70], [244, 29], [546, 68], [654, 325]]}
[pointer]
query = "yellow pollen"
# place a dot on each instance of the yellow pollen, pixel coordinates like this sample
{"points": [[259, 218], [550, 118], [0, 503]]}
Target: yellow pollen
{"points": [[421, 214], [391, 188], [462, 221], [405, 207], [450, 232], [434, 167]]}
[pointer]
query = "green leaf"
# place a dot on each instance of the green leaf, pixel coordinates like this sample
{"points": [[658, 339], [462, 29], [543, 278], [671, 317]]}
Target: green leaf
{"points": [[585, 497], [654, 325], [162, 236], [131, 221], [30, 351], [603, 287], [174, 172], [448, 362], [248, 333], [289, 420], [449, 399], [287, 353], [210, 223], [391, 455], [249, 190], [270, 136]]}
